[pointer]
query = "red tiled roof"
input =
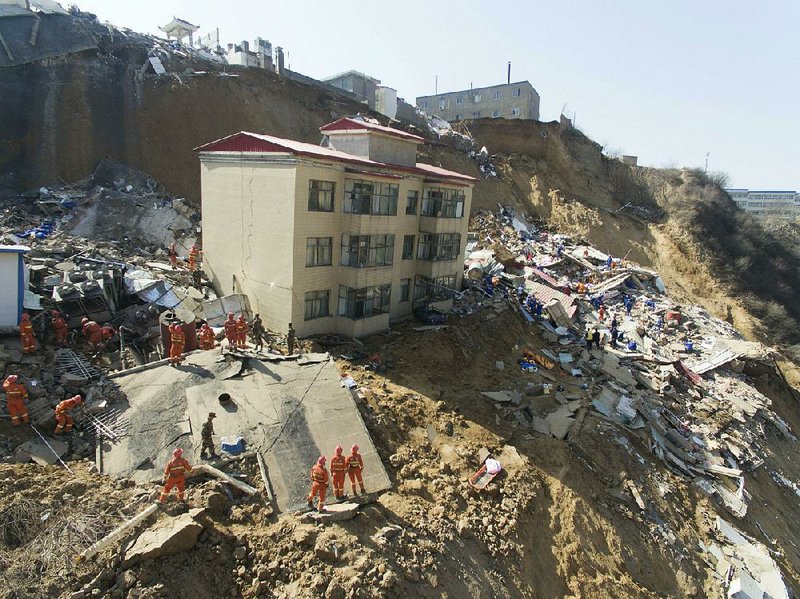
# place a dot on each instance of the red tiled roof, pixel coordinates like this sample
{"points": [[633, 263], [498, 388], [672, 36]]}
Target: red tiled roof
{"points": [[348, 124], [245, 141]]}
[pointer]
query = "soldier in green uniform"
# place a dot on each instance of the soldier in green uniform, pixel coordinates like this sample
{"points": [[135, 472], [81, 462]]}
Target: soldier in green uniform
{"points": [[207, 434]]}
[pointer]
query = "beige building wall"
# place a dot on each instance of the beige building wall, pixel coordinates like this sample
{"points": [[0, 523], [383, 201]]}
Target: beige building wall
{"points": [[256, 221], [375, 146], [248, 220], [496, 101]]}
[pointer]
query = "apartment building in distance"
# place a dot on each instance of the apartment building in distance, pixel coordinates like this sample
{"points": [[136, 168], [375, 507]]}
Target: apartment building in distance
{"points": [[782, 204], [508, 101], [343, 238]]}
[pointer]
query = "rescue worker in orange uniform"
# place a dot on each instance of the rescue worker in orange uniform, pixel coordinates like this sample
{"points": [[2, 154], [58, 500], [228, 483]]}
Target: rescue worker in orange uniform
{"points": [[60, 328], [338, 470], [206, 337], [26, 336], [172, 254], [63, 417], [175, 475], [319, 483], [355, 466], [241, 332], [602, 312], [230, 331], [194, 254], [16, 397], [177, 341], [91, 330]]}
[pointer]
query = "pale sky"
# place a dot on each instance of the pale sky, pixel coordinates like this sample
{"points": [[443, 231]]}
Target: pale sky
{"points": [[667, 81]]}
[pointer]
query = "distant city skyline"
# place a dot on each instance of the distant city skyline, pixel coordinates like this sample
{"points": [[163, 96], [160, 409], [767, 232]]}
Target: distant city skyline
{"points": [[668, 83]]}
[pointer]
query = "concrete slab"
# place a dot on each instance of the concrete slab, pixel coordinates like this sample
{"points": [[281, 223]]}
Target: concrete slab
{"points": [[40, 453], [288, 412]]}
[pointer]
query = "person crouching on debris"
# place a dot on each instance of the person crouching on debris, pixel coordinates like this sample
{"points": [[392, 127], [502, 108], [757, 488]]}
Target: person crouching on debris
{"points": [[175, 475], [206, 337], [355, 468], [319, 484], [16, 397], [230, 331], [63, 417], [91, 330], [177, 341], [207, 435], [241, 332], [26, 336], [338, 470], [60, 328]]}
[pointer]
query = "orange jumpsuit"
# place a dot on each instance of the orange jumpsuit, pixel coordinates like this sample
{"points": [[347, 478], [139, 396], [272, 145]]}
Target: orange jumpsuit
{"points": [[338, 470], [319, 484], [63, 418], [16, 396], [177, 341], [241, 333], [355, 465], [92, 331], [602, 312], [194, 253], [175, 473], [206, 337], [230, 332], [26, 336], [61, 330]]}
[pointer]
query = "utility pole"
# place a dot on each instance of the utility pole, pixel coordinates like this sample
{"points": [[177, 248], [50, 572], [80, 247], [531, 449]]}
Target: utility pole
{"points": [[707, 155], [509, 73], [436, 93]]}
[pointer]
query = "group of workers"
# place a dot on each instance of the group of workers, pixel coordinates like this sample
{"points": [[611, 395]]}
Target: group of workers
{"points": [[194, 256], [17, 398], [236, 331], [352, 465]]}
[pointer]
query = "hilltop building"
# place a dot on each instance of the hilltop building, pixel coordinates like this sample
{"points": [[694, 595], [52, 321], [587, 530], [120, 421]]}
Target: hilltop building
{"points": [[338, 239], [508, 101], [783, 204], [179, 29]]}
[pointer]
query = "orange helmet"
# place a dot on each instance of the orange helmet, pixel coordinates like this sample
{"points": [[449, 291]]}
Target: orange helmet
{"points": [[84, 320], [321, 460], [178, 452], [25, 316], [11, 378], [230, 314], [339, 450], [78, 397], [354, 449]]}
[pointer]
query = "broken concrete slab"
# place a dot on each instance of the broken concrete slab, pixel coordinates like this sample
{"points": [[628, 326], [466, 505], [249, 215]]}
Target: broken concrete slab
{"points": [[38, 452], [169, 537], [560, 423], [540, 425], [335, 512], [503, 396]]}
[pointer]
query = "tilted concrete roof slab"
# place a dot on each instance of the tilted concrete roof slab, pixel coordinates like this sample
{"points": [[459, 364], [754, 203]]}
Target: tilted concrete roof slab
{"points": [[289, 412]]}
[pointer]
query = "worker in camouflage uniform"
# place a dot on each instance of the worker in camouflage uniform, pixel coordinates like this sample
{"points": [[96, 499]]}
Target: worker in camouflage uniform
{"points": [[207, 434]]}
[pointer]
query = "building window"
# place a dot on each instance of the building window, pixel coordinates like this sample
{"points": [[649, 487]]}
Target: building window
{"points": [[442, 104], [320, 196], [443, 203], [439, 246], [459, 100], [405, 290], [495, 114], [515, 111], [365, 251], [318, 251], [476, 98], [476, 114], [317, 304], [423, 104], [459, 117], [408, 247], [370, 197], [364, 302], [434, 289], [496, 95], [411, 202], [516, 92]]}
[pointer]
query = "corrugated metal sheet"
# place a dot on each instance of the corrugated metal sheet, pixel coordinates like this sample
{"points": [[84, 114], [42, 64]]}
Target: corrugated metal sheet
{"points": [[545, 277], [242, 142], [544, 294]]}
